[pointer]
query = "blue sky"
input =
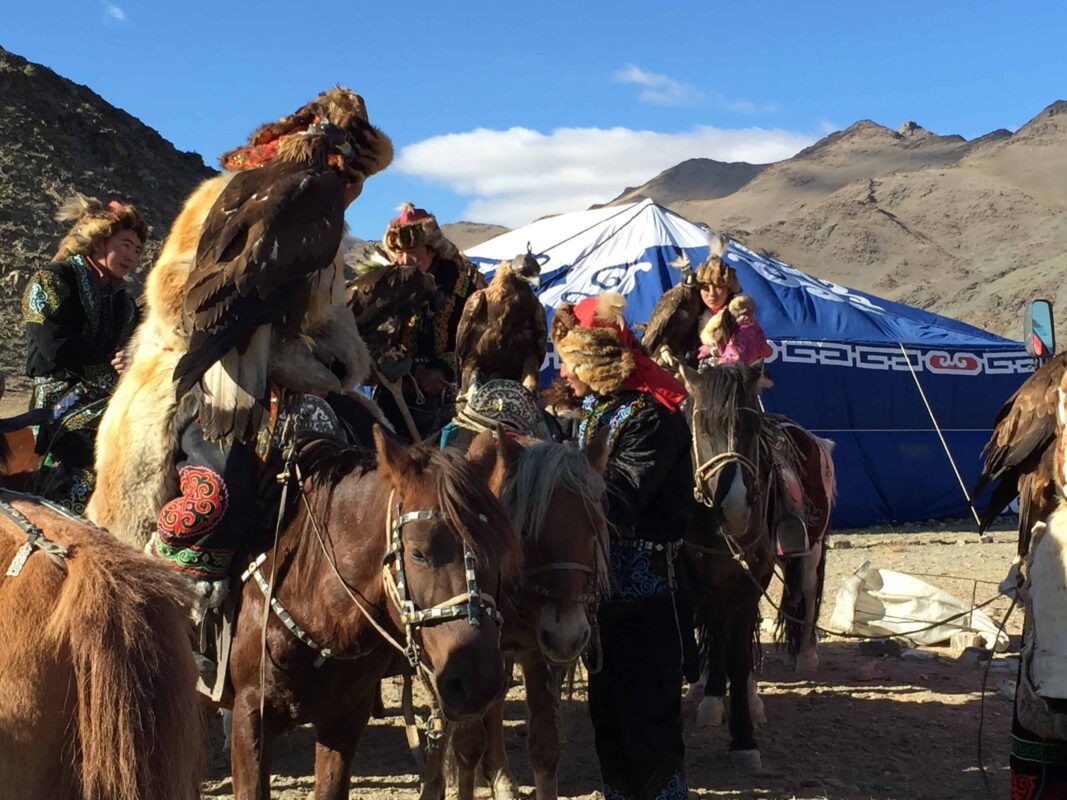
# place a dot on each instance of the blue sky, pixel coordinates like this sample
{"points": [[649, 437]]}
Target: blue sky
{"points": [[502, 112]]}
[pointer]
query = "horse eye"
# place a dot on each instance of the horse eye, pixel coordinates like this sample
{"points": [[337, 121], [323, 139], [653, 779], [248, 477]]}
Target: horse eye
{"points": [[419, 556]]}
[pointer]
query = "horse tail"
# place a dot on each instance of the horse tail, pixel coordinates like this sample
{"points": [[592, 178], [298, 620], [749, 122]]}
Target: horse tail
{"points": [[793, 609], [139, 724]]}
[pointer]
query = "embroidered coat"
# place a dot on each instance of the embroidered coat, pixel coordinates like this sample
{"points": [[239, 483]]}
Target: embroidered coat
{"points": [[74, 326], [649, 482], [431, 338]]}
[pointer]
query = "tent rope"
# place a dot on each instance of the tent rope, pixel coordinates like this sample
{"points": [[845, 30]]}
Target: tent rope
{"points": [[940, 435]]}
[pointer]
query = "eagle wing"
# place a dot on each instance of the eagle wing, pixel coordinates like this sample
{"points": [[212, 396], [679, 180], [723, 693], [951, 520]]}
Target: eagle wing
{"points": [[673, 322], [1021, 445], [472, 325], [268, 231]]}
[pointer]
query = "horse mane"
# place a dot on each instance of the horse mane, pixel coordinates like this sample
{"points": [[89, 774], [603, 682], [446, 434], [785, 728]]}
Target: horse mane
{"points": [[542, 468], [722, 391], [120, 619], [470, 510]]}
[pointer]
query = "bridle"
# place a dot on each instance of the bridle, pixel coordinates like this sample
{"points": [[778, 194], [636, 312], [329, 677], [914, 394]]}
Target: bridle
{"points": [[704, 469], [588, 599]]}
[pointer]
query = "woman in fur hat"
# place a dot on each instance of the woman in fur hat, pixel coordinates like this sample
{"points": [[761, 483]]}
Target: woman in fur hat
{"points": [[79, 316], [635, 698], [730, 334], [415, 239], [728, 329]]}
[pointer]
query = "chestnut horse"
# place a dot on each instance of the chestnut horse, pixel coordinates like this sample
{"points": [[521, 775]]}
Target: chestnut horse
{"points": [[382, 552], [97, 681], [554, 496]]}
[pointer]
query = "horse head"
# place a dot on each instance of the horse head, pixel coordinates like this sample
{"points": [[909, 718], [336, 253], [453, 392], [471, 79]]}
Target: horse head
{"points": [[452, 550], [725, 420], [554, 495]]}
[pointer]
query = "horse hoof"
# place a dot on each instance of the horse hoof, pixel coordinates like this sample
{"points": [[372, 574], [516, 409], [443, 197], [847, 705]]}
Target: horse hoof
{"points": [[710, 712], [503, 787], [755, 710], [694, 691], [808, 662], [746, 759]]}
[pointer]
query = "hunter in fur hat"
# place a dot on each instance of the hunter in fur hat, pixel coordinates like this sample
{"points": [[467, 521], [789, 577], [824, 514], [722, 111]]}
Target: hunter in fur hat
{"points": [[78, 317], [171, 475], [428, 344], [635, 698]]}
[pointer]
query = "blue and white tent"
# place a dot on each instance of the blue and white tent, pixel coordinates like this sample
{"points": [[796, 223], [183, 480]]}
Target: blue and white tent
{"points": [[847, 365]]}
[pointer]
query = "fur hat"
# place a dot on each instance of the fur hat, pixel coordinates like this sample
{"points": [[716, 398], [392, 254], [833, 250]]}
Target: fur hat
{"points": [[416, 227], [719, 325], [93, 223], [594, 351], [339, 106], [715, 271]]}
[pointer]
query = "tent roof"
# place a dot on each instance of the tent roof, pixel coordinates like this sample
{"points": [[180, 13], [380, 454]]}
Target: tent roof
{"points": [[628, 249]]}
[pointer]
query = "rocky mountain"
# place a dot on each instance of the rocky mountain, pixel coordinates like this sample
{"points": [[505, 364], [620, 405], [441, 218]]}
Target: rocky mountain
{"points": [[465, 235], [968, 228], [57, 136]]}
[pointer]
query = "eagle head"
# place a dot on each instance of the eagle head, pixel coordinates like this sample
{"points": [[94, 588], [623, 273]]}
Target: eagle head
{"points": [[320, 143], [526, 266]]}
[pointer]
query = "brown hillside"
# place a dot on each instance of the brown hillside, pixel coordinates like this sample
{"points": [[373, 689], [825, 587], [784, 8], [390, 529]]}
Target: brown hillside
{"points": [[56, 137]]}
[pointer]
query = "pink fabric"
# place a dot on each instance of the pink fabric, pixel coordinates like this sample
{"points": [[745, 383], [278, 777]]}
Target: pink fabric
{"points": [[747, 345]]}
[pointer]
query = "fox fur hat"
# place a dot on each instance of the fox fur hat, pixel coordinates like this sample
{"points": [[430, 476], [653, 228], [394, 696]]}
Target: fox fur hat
{"points": [[715, 271], [95, 222], [415, 227], [588, 339], [339, 106]]}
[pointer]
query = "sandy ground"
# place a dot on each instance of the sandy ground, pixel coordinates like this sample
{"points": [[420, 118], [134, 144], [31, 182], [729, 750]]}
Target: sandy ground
{"points": [[864, 727]]}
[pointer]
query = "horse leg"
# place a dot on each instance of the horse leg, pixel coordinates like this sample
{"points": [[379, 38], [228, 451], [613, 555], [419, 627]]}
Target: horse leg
{"points": [[542, 700], [335, 745], [712, 707], [250, 748], [808, 657], [434, 779], [468, 748], [495, 761], [743, 750]]}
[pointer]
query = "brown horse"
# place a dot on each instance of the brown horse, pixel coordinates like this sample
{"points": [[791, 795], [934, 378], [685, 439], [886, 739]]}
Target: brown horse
{"points": [[554, 496], [730, 542], [97, 681], [19, 459], [380, 554]]}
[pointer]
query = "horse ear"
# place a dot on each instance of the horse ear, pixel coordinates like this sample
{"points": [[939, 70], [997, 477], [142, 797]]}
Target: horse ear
{"points": [[597, 451], [394, 463], [491, 455]]}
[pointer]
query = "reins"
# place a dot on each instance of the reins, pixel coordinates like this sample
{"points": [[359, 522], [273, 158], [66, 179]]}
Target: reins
{"points": [[473, 605]]}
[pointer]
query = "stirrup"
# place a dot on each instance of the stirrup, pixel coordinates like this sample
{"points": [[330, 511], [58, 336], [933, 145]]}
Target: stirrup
{"points": [[791, 536]]}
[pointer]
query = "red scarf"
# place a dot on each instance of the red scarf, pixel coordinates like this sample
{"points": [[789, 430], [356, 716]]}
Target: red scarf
{"points": [[648, 376]]}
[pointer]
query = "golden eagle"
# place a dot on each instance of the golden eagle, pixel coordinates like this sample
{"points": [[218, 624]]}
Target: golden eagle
{"points": [[1019, 458], [270, 230], [502, 332], [673, 322], [379, 297]]}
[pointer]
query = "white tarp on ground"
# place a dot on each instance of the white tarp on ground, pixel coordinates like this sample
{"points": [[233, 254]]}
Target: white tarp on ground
{"points": [[881, 602]]}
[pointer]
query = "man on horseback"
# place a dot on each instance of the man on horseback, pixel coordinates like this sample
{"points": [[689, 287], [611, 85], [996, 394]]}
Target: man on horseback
{"points": [[79, 316], [428, 342], [635, 697], [223, 441]]}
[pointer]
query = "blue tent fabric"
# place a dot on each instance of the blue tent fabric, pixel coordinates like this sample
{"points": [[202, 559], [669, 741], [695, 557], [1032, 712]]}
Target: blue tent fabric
{"points": [[846, 363]]}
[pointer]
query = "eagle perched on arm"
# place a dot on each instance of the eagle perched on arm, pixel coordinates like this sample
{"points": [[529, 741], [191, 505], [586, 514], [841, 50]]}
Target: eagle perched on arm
{"points": [[277, 223], [1020, 455], [503, 332], [673, 322]]}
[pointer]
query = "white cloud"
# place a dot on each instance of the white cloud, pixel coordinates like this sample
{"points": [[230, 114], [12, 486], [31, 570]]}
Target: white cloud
{"points": [[513, 176], [114, 12], [659, 90], [828, 127]]}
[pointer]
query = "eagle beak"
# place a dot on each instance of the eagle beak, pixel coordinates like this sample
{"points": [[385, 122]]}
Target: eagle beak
{"points": [[346, 150]]}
